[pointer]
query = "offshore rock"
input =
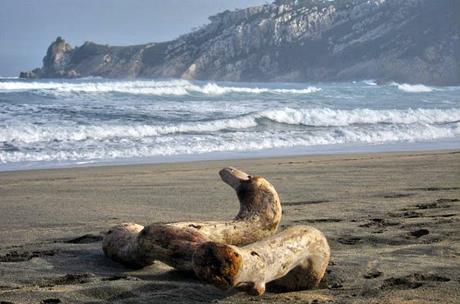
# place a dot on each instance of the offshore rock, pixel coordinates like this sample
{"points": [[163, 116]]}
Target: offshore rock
{"points": [[413, 41]]}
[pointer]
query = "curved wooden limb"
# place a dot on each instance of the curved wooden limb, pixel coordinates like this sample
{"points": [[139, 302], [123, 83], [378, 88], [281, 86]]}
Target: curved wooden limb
{"points": [[258, 217], [174, 243], [120, 244], [295, 259]]}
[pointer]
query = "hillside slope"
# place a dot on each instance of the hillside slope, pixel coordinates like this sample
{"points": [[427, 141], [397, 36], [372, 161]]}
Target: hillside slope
{"points": [[415, 41]]}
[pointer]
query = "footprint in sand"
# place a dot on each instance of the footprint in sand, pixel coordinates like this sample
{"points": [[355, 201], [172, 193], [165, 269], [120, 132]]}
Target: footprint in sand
{"points": [[411, 281], [51, 301], [419, 232], [15, 256], [432, 189], [85, 239], [68, 279], [349, 240], [439, 203], [372, 274]]}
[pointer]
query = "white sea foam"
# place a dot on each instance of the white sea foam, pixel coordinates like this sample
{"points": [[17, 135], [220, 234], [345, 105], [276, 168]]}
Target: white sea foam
{"points": [[26, 132], [148, 87], [87, 125], [237, 141], [414, 88], [214, 89], [30, 133], [370, 82], [333, 117]]}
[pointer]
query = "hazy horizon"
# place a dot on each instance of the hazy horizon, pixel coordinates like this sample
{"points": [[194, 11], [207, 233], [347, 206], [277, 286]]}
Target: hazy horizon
{"points": [[27, 27]]}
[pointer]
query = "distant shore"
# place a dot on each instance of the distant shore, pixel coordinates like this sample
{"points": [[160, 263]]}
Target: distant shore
{"points": [[392, 220]]}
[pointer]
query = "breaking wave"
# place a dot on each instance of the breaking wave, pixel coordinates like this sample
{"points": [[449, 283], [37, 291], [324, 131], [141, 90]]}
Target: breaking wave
{"points": [[370, 82], [317, 117], [29, 133], [147, 87], [333, 117], [97, 120], [414, 88], [234, 142]]}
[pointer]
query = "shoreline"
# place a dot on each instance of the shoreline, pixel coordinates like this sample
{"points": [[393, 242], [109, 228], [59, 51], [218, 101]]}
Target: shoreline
{"points": [[391, 219], [344, 149]]}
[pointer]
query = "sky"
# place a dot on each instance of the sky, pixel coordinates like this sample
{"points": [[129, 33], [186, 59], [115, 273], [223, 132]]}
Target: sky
{"points": [[27, 27]]}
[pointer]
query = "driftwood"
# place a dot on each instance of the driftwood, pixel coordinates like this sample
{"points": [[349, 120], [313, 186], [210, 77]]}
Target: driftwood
{"points": [[174, 243], [294, 259]]}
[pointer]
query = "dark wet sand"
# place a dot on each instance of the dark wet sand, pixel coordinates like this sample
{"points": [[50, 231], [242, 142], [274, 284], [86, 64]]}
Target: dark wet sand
{"points": [[392, 221]]}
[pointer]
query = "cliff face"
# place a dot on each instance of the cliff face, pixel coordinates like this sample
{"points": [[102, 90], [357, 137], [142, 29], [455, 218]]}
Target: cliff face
{"points": [[416, 41]]}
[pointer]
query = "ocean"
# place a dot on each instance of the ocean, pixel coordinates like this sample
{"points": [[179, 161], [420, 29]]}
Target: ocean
{"points": [[93, 121]]}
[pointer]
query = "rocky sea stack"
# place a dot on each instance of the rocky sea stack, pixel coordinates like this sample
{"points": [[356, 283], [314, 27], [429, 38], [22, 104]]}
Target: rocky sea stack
{"points": [[414, 41]]}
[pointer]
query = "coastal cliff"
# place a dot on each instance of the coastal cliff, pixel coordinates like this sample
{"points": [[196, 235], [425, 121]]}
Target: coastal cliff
{"points": [[414, 41]]}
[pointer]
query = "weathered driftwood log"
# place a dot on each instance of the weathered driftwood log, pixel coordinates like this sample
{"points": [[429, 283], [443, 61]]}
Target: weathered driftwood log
{"points": [[174, 243], [296, 258]]}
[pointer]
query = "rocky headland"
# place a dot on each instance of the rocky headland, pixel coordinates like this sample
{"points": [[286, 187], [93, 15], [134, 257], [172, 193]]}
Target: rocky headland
{"points": [[413, 41]]}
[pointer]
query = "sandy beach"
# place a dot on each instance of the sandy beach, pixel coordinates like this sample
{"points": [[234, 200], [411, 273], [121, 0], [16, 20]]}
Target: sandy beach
{"points": [[392, 221]]}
